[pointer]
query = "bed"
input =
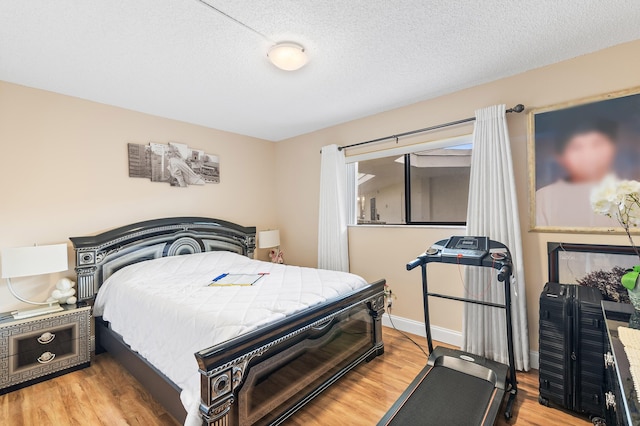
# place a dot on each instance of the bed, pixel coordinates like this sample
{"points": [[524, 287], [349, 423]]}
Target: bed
{"points": [[268, 371]]}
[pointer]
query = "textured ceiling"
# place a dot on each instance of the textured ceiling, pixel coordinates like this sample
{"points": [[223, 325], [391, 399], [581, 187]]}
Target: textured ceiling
{"points": [[179, 59]]}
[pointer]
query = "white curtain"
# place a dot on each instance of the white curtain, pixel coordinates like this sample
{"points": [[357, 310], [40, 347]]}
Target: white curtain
{"points": [[493, 212], [333, 244], [351, 193]]}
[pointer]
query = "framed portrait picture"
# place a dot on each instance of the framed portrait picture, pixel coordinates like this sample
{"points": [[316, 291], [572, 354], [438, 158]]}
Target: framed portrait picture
{"points": [[572, 147], [592, 265]]}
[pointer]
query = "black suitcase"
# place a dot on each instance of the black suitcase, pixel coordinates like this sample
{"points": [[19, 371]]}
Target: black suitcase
{"points": [[571, 345]]}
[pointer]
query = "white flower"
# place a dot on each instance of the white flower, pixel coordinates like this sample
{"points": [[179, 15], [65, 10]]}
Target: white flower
{"points": [[605, 198], [619, 199], [629, 186], [634, 216]]}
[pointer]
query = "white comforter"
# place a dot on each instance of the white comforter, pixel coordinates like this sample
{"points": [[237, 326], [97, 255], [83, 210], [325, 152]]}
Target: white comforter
{"points": [[165, 310]]}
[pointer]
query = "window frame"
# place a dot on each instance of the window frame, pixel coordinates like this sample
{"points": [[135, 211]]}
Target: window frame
{"points": [[406, 151]]}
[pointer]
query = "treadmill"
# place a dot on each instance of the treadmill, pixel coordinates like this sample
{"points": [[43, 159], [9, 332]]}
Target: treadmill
{"points": [[456, 387]]}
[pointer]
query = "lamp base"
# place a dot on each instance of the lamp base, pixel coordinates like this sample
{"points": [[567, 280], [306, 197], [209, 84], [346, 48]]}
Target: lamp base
{"points": [[28, 313]]}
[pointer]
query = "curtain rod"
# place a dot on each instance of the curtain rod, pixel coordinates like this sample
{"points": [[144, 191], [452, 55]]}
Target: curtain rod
{"points": [[518, 108]]}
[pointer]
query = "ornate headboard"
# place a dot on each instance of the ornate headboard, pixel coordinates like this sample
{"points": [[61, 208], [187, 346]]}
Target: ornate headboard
{"points": [[99, 256]]}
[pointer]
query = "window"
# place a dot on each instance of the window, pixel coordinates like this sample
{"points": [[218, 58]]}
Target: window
{"points": [[428, 184]]}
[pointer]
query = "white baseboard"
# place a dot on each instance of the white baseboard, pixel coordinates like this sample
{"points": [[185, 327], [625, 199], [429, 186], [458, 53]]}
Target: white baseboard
{"points": [[440, 334], [534, 360], [407, 325]]}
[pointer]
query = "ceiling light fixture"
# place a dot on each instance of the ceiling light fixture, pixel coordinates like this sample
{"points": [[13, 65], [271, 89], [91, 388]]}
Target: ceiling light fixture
{"points": [[284, 55], [288, 56]]}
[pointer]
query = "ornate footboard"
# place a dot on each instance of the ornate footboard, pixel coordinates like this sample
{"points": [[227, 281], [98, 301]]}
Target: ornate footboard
{"points": [[265, 376]]}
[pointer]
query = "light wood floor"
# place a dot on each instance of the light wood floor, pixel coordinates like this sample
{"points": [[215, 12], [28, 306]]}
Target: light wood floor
{"points": [[105, 394]]}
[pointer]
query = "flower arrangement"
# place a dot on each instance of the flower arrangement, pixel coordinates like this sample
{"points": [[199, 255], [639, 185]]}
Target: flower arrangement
{"points": [[620, 200]]}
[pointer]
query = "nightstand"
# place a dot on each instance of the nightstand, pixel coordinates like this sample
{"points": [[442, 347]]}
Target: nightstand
{"points": [[621, 395], [38, 348]]}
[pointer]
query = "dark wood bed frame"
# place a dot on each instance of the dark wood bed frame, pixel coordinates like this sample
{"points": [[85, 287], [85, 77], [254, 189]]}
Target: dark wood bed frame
{"points": [[262, 377]]}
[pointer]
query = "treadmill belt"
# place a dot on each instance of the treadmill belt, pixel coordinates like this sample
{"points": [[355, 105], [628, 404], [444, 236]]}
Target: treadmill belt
{"points": [[446, 397]]}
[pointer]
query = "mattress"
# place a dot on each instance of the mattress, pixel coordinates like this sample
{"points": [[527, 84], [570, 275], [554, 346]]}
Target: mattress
{"points": [[166, 311]]}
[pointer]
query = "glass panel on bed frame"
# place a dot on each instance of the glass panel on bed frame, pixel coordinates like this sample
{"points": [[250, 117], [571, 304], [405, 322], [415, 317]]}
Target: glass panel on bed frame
{"points": [[266, 383], [302, 367]]}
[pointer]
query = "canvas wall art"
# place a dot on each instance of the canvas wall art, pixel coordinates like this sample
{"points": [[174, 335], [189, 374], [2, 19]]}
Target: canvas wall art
{"points": [[572, 147], [174, 163], [592, 265]]}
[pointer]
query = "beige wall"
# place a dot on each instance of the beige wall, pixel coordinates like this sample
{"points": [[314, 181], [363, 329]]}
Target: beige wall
{"points": [[382, 252], [65, 173]]}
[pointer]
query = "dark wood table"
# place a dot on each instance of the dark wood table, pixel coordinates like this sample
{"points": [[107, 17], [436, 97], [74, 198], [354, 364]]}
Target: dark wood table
{"points": [[624, 394]]}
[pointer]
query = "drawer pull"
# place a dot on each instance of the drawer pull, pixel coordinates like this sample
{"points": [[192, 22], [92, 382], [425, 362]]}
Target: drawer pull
{"points": [[46, 358], [46, 338], [608, 360]]}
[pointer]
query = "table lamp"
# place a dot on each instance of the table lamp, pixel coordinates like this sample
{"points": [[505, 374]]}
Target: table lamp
{"points": [[270, 239], [28, 261]]}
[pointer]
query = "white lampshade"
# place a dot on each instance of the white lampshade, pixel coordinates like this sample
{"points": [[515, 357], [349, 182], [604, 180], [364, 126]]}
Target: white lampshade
{"points": [[288, 56], [268, 239], [37, 260]]}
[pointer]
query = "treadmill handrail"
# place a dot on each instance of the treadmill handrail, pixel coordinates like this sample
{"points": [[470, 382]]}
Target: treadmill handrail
{"points": [[420, 260], [424, 258], [487, 262]]}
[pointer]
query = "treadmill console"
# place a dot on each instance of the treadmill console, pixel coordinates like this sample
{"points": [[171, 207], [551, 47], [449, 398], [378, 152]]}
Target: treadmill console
{"points": [[465, 250], [472, 249]]}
